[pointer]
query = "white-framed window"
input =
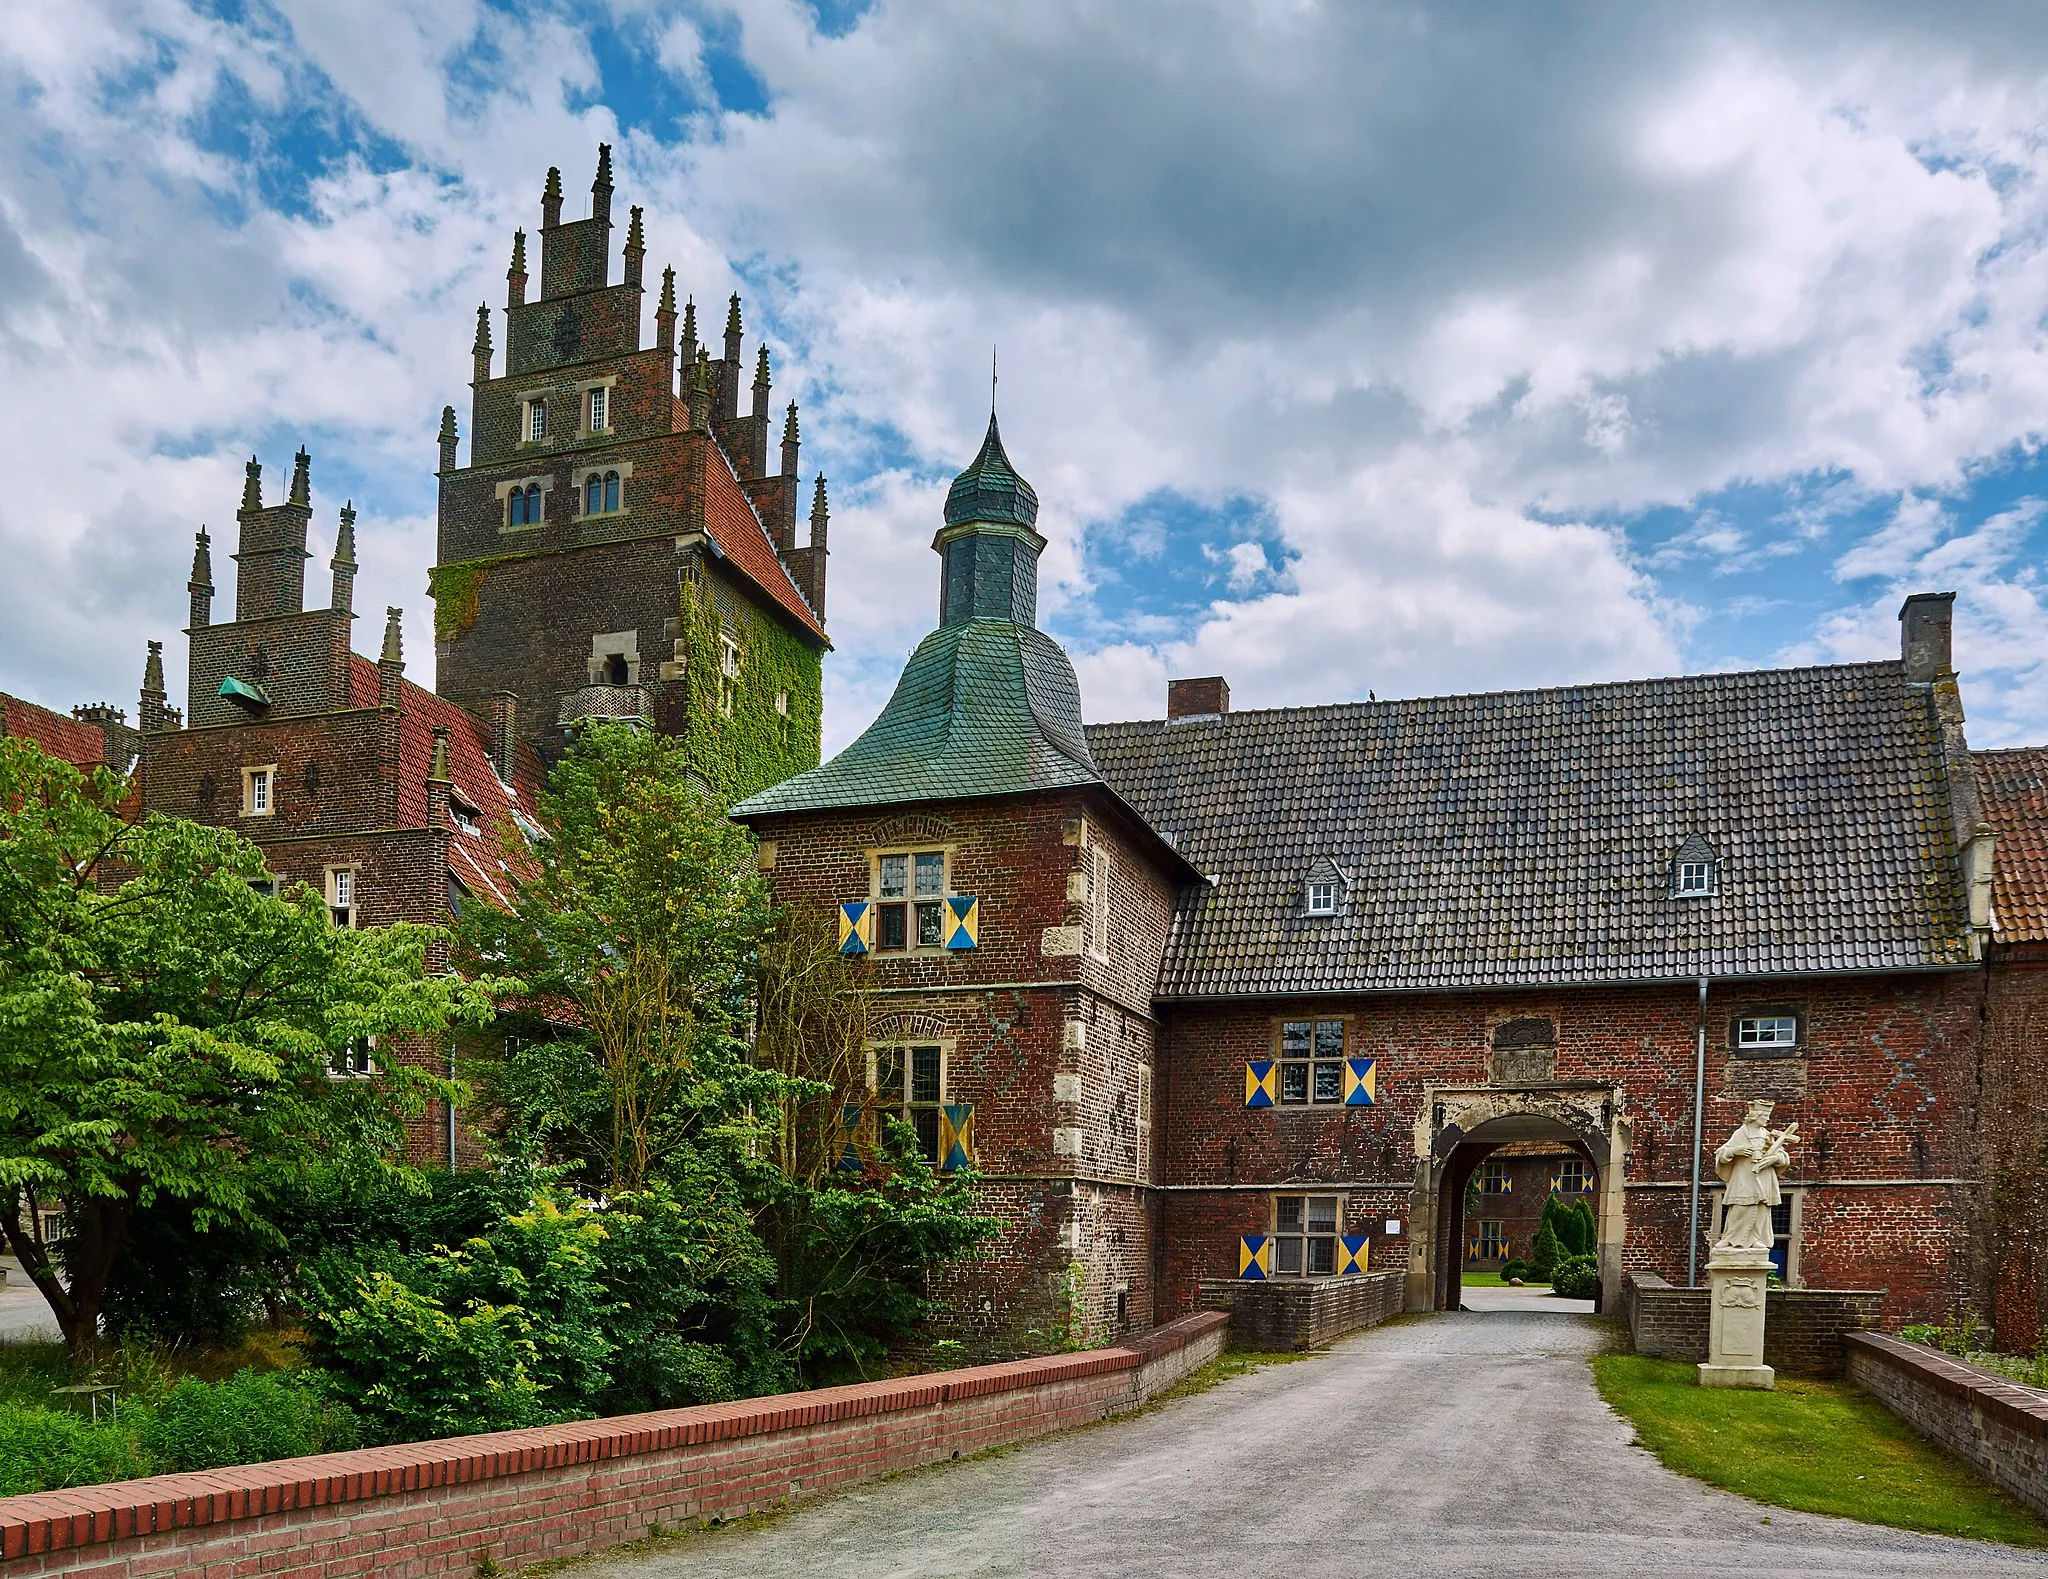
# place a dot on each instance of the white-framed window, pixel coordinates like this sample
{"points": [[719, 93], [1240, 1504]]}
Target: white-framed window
{"points": [[1758, 1032], [259, 790], [357, 1061], [1695, 879], [909, 1082], [1305, 1229], [728, 674], [1489, 1240], [1311, 1061], [782, 703], [465, 816], [341, 895], [1322, 899], [536, 420], [910, 889], [600, 402]]}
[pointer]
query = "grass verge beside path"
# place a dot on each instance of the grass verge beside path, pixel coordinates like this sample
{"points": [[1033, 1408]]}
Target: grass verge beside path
{"points": [[1819, 1447]]}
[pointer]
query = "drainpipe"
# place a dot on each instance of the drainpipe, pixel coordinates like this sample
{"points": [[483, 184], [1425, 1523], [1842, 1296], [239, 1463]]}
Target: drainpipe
{"points": [[1699, 1102], [451, 1112]]}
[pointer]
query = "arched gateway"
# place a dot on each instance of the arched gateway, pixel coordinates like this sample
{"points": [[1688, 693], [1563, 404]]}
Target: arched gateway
{"points": [[1455, 1130]]}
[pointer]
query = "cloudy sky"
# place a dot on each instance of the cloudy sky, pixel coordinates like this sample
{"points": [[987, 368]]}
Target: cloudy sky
{"points": [[1350, 346]]}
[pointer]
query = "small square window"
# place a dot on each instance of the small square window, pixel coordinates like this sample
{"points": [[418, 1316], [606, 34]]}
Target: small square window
{"points": [[910, 889], [1322, 899], [1491, 1242], [259, 791], [341, 895], [1767, 1030], [1305, 1231], [1311, 1061], [1695, 879]]}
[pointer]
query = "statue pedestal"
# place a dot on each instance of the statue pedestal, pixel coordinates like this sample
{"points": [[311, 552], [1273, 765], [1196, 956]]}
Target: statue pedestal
{"points": [[1736, 1280]]}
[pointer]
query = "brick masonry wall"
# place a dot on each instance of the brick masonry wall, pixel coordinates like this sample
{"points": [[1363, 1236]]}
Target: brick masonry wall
{"points": [[1883, 1094], [2015, 1128], [1805, 1330], [521, 1497], [1998, 1427], [1305, 1312]]}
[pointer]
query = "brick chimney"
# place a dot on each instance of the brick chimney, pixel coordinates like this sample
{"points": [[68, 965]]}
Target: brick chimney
{"points": [[504, 731], [1925, 621], [1208, 697]]}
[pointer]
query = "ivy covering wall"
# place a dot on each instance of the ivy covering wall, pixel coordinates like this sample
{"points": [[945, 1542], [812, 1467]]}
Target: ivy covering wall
{"points": [[758, 745]]}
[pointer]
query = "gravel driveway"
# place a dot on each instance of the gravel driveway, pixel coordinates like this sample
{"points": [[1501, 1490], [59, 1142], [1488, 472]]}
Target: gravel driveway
{"points": [[1459, 1446]]}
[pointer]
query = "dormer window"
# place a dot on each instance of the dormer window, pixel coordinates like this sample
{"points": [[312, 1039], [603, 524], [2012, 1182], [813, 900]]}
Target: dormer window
{"points": [[1322, 899], [1323, 889], [466, 816], [1693, 870]]}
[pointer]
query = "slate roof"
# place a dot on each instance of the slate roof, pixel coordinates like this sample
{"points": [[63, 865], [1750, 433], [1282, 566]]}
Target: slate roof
{"points": [[984, 707], [2013, 788], [1526, 837], [990, 489]]}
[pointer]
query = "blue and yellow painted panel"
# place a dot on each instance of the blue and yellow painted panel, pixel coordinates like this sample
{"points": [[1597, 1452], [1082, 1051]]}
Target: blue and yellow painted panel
{"points": [[1261, 1083], [856, 927], [1255, 1257], [848, 1139], [956, 1136], [962, 917], [1354, 1253], [1361, 1082]]}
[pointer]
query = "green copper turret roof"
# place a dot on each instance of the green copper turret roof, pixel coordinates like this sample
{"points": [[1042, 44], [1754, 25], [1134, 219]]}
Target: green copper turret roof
{"points": [[990, 489], [984, 707]]}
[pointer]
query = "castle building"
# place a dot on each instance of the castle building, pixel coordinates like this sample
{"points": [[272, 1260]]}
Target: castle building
{"points": [[1233, 996], [613, 549]]}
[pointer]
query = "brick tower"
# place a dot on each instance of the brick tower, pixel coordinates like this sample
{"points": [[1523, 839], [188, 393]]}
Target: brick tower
{"points": [[616, 546]]}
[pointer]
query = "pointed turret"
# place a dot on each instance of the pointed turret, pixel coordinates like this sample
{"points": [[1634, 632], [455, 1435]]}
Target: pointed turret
{"points": [[515, 277], [201, 584], [601, 188], [758, 417], [437, 770], [665, 312], [790, 447], [391, 660], [700, 393], [447, 438], [344, 562], [636, 247], [252, 485], [480, 349], [734, 333], [439, 781], [302, 478], [151, 714], [551, 199], [687, 352]]}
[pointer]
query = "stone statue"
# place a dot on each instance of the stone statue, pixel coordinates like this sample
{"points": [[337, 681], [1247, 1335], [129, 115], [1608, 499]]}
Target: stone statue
{"points": [[1749, 1163]]}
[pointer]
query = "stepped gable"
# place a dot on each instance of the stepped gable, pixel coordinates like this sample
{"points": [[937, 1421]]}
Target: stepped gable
{"points": [[1528, 837], [2014, 788]]}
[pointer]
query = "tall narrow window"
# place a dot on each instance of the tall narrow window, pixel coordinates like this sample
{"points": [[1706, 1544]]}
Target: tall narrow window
{"points": [[597, 410], [341, 896], [515, 507], [533, 504], [259, 785], [728, 675], [593, 494], [910, 1083], [1144, 1157], [611, 490], [1305, 1235], [537, 420]]}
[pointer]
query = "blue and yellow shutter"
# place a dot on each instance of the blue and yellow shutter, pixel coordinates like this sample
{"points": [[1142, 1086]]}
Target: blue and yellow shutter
{"points": [[962, 915], [1261, 1083], [847, 1142], [856, 927], [1354, 1252], [1255, 1257], [956, 1137], [1361, 1082]]}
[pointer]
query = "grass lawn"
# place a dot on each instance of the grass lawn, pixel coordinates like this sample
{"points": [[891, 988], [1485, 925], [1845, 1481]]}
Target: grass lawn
{"points": [[1820, 1447], [1493, 1280]]}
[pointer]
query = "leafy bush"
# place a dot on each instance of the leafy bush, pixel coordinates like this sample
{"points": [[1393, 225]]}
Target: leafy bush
{"points": [[1546, 1252], [1516, 1267], [1576, 1277], [251, 1418], [47, 1449], [1582, 1237]]}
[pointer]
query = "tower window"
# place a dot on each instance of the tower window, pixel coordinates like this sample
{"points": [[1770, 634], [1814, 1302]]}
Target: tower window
{"points": [[600, 493], [611, 490], [341, 895], [910, 885], [259, 791], [537, 420], [909, 1083], [615, 672], [598, 403]]}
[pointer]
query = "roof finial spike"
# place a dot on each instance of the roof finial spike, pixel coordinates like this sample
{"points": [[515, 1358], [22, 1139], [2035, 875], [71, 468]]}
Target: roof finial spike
{"points": [[818, 505], [345, 538], [732, 315], [518, 253], [991, 381], [252, 485], [447, 433], [761, 368], [302, 477], [604, 168], [635, 237], [483, 330], [153, 671], [437, 769], [202, 561], [552, 192], [789, 428], [668, 289], [394, 640]]}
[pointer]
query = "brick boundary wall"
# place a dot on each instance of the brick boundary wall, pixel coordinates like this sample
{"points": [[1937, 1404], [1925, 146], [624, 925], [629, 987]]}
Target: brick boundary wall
{"points": [[1302, 1313], [1996, 1426], [520, 1497], [1804, 1328]]}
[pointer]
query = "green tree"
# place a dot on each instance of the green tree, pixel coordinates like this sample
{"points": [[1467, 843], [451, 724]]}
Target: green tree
{"points": [[167, 1031]]}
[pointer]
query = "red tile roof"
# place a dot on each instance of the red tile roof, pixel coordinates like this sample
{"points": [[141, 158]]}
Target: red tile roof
{"points": [[82, 745], [732, 524], [487, 863], [2014, 788]]}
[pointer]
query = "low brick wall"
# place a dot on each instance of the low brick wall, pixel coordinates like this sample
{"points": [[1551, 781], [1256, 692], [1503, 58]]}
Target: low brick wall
{"points": [[1804, 1328], [1300, 1313], [518, 1497], [1997, 1426]]}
